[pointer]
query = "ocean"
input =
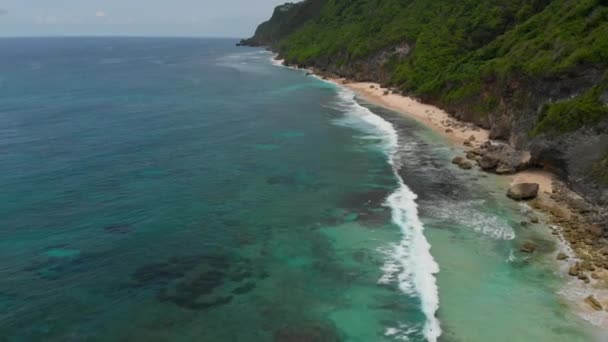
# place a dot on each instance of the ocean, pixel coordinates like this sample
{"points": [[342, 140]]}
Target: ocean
{"points": [[165, 189]]}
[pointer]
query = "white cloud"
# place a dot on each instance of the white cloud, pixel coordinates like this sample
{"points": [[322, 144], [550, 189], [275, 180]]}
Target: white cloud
{"points": [[101, 14]]}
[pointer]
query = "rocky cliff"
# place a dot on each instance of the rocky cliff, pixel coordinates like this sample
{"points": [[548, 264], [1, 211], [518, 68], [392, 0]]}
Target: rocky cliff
{"points": [[534, 72]]}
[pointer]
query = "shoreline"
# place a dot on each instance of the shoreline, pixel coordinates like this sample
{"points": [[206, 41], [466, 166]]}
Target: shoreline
{"points": [[554, 213], [454, 130]]}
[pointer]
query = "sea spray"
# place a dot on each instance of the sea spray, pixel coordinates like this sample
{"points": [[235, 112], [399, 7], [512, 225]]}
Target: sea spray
{"points": [[411, 262]]}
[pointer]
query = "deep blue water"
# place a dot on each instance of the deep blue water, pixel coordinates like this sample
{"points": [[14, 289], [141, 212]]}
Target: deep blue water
{"points": [[190, 190]]}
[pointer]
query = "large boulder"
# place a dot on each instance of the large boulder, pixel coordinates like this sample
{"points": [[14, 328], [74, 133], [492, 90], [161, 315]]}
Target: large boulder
{"points": [[523, 191], [488, 162]]}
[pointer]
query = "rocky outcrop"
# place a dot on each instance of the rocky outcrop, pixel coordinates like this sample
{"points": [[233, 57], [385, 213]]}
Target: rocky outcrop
{"points": [[523, 191], [528, 247], [594, 303], [462, 163], [501, 158]]}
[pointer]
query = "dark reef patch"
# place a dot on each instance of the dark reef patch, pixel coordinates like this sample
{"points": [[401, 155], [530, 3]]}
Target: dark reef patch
{"points": [[307, 332], [198, 282]]}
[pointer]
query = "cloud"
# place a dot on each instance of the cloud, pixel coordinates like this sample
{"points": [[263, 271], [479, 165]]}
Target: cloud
{"points": [[101, 14]]}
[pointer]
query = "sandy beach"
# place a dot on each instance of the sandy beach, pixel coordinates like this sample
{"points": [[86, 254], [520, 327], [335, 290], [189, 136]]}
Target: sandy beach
{"points": [[441, 122]]}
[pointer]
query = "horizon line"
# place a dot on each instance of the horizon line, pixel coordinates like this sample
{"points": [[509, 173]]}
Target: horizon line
{"points": [[117, 36]]}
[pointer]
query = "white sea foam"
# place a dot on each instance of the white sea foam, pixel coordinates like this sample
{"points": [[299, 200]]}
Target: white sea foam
{"points": [[277, 62], [467, 214], [409, 262]]}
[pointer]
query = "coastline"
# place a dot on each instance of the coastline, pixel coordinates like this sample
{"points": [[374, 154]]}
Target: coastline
{"points": [[554, 213], [455, 131]]}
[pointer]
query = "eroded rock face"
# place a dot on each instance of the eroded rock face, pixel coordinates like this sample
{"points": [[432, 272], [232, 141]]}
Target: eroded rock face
{"points": [[523, 191]]}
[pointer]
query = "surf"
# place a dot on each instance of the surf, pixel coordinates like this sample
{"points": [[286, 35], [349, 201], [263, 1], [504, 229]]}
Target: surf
{"points": [[409, 263]]}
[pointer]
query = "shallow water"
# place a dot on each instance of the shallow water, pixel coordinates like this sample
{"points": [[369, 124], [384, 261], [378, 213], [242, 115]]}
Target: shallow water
{"points": [[186, 189]]}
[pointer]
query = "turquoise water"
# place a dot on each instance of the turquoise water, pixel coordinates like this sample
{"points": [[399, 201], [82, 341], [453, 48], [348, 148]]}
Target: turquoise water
{"points": [[189, 190]]}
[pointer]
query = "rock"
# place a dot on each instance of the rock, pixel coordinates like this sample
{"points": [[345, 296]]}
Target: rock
{"points": [[594, 303], [372, 86], [467, 143], [488, 162], [574, 271], [528, 247], [504, 169], [462, 163], [596, 230], [472, 138], [471, 155], [534, 219], [458, 160], [386, 92], [562, 256], [449, 130], [595, 276], [465, 165], [523, 191], [477, 151]]}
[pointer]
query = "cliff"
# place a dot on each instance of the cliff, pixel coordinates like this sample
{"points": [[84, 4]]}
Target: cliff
{"points": [[534, 72]]}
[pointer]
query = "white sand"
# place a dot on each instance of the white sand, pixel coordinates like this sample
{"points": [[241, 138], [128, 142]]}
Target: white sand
{"points": [[429, 115]]}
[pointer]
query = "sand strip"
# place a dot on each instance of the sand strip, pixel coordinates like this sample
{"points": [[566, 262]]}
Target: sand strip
{"points": [[457, 132]]}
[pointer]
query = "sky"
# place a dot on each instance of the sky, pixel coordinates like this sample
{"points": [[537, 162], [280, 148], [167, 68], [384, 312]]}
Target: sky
{"points": [[207, 18]]}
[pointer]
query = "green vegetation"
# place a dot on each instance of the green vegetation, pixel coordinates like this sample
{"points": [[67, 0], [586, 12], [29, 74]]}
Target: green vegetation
{"points": [[285, 20], [569, 115], [466, 53], [600, 170]]}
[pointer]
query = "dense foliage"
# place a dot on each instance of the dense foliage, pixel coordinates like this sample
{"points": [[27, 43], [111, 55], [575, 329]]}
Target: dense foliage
{"points": [[462, 48], [285, 20], [564, 116]]}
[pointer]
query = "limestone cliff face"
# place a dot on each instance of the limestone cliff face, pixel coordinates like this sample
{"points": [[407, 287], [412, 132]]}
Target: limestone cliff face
{"points": [[511, 68]]}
